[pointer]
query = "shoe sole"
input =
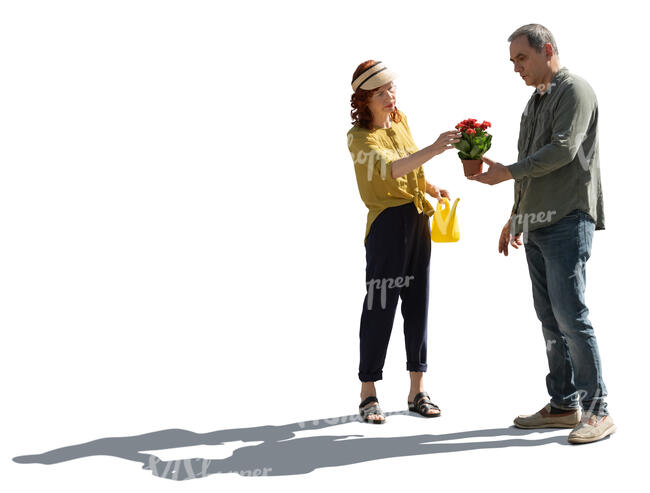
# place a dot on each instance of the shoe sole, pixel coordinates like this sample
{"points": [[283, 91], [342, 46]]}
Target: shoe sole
{"points": [[532, 427], [605, 434], [435, 415]]}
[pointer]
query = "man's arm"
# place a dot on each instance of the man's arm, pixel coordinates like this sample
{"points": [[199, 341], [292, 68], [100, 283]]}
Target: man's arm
{"points": [[571, 121]]}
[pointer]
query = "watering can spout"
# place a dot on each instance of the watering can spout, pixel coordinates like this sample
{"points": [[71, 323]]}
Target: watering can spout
{"points": [[452, 214]]}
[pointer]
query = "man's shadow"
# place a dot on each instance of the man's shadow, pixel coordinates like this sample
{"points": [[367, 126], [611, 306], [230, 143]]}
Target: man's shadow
{"points": [[279, 455]]}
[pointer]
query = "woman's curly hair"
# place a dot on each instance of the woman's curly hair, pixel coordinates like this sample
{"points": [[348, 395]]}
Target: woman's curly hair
{"points": [[360, 113]]}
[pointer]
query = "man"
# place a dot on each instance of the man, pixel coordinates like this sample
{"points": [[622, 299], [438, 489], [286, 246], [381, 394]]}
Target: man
{"points": [[558, 206]]}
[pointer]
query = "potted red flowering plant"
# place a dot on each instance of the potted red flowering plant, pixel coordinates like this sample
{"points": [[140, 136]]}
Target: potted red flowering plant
{"points": [[474, 142]]}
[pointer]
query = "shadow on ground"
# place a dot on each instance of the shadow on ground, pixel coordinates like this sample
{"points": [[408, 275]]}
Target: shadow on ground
{"points": [[281, 453]]}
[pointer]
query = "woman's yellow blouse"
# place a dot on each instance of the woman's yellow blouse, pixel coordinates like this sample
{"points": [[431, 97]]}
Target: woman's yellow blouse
{"points": [[373, 154]]}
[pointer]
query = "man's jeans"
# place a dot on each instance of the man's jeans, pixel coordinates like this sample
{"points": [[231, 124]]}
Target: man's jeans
{"points": [[556, 257]]}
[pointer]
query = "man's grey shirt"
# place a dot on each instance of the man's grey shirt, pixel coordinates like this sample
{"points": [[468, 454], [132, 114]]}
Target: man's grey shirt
{"points": [[558, 168]]}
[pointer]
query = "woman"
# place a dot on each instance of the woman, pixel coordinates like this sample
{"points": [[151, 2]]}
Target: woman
{"points": [[388, 167]]}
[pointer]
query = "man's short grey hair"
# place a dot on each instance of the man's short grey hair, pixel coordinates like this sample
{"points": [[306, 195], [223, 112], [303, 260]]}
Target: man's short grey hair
{"points": [[537, 36]]}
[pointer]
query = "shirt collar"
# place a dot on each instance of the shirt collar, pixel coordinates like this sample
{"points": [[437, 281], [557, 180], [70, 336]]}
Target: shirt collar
{"points": [[559, 75]]}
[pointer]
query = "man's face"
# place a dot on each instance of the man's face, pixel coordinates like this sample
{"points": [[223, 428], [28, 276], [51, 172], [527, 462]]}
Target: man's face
{"points": [[530, 64]]}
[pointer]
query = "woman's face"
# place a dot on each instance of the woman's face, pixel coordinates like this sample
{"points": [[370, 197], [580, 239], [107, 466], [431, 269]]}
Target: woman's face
{"points": [[382, 101]]}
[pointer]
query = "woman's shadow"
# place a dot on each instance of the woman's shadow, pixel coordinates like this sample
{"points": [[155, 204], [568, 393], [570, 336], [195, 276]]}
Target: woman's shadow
{"points": [[279, 454]]}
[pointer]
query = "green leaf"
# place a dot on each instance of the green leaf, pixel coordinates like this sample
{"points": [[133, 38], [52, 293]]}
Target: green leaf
{"points": [[488, 143], [462, 145]]}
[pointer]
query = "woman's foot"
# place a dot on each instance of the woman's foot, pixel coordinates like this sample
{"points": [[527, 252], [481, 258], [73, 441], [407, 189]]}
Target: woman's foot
{"points": [[367, 390], [417, 386], [421, 403], [370, 411]]}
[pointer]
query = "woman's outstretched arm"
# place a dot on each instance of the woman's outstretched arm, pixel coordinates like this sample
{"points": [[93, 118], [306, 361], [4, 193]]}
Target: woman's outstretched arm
{"points": [[409, 163]]}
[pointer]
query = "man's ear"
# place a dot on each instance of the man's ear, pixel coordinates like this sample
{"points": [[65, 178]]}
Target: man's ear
{"points": [[548, 49]]}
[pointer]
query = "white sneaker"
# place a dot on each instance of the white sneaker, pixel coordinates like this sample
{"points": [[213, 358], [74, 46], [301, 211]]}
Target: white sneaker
{"points": [[592, 428]]}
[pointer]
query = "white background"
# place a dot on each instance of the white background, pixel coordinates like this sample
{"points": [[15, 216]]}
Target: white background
{"points": [[182, 240]]}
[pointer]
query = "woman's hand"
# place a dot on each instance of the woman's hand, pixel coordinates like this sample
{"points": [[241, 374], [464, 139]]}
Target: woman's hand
{"points": [[446, 141], [437, 193]]}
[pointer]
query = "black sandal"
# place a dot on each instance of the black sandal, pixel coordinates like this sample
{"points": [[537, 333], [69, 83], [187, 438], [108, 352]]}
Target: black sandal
{"points": [[421, 404], [374, 409]]}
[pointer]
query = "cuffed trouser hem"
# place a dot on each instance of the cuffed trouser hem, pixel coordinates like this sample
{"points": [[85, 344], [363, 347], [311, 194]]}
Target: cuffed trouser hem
{"points": [[416, 367], [564, 408], [599, 409], [370, 377]]}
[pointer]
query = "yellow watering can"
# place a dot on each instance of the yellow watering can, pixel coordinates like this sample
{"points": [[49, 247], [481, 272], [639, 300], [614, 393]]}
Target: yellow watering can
{"points": [[444, 227]]}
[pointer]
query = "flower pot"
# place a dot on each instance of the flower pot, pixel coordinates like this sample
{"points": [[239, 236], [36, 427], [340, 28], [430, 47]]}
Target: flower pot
{"points": [[472, 166]]}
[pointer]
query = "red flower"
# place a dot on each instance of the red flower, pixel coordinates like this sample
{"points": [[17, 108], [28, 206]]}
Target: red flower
{"points": [[471, 124]]}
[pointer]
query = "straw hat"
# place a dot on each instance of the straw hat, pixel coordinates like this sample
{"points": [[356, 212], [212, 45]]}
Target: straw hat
{"points": [[374, 76]]}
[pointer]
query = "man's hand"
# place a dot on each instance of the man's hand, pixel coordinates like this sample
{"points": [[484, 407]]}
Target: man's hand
{"points": [[437, 193], [496, 173], [506, 238]]}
